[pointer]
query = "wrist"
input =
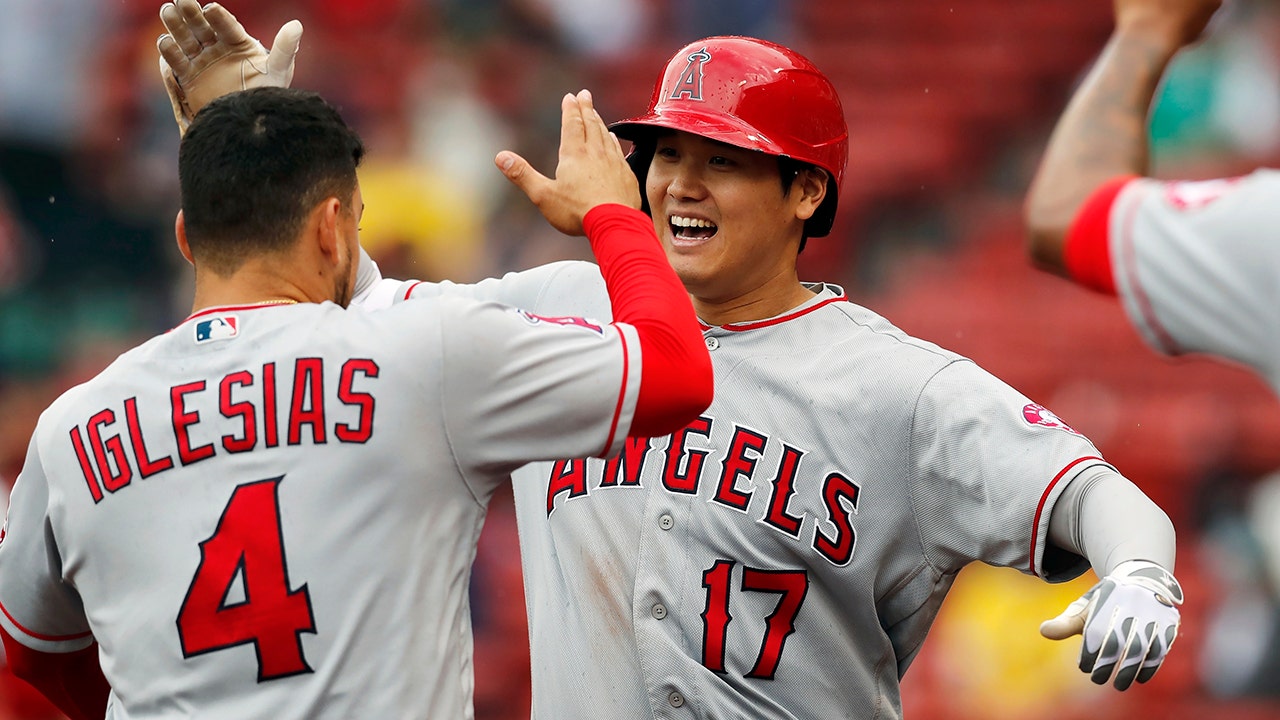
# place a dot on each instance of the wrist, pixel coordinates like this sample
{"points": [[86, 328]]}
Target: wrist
{"points": [[1153, 577], [1154, 32]]}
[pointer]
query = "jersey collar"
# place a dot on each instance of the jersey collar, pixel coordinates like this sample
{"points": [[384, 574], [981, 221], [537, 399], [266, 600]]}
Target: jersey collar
{"points": [[824, 294]]}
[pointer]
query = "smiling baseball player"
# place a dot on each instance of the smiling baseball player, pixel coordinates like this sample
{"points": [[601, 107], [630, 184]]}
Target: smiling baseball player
{"points": [[272, 509], [784, 555]]}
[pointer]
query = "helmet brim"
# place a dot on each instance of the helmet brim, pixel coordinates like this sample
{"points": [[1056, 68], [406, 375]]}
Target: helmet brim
{"points": [[713, 126]]}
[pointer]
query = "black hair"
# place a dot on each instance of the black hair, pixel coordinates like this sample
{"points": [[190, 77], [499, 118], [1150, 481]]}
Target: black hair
{"points": [[252, 166], [818, 225]]}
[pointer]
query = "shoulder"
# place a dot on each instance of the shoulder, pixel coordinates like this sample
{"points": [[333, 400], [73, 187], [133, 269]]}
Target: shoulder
{"points": [[1200, 198], [880, 338], [863, 360]]}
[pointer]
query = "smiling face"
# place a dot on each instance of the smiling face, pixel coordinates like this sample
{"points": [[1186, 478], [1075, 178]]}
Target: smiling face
{"points": [[729, 229]]}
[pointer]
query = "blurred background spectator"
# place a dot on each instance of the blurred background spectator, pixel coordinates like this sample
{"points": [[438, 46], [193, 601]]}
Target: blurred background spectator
{"points": [[949, 105]]}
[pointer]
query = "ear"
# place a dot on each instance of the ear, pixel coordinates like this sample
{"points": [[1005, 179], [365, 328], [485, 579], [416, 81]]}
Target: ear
{"points": [[180, 232], [327, 217], [811, 184]]}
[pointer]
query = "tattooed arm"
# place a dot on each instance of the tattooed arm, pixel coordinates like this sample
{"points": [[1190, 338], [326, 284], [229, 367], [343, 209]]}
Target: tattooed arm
{"points": [[1103, 132]]}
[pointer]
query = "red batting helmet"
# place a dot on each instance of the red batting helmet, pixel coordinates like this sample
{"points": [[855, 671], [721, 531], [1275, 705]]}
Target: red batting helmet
{"points": [[752, 94]]}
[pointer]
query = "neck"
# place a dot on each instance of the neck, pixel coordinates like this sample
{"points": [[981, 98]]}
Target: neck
{"points": [[252, 284], [758, 305]]}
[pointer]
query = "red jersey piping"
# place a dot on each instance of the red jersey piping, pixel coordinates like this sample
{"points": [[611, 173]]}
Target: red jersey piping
{"points": [[741, 327], [1035, 523], [622, 395], [42, 636]]}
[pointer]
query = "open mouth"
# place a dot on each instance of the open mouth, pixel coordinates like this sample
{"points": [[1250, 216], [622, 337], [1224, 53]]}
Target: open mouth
{"points": [[691, 229]]}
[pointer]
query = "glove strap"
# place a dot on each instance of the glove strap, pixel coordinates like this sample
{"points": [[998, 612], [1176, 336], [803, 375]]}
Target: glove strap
{"points": [[1152, 577]]}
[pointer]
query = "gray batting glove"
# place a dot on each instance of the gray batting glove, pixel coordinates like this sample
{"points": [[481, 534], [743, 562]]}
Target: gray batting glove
{"points": [[207, 54], [1129, 621]]}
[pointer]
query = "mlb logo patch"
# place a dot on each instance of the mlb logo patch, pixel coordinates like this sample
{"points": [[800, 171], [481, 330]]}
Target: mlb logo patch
{"points": [[218, 327]]}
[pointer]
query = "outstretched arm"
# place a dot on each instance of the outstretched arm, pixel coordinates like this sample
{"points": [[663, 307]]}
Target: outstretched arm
{"points": [[594, 192], [206, 54], [1103, 132], [1130, 619]]}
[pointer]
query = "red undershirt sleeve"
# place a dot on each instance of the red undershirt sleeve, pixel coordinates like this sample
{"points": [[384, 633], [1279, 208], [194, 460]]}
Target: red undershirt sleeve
{"points": [[72, 681], [1087, 251], [676, 377]]}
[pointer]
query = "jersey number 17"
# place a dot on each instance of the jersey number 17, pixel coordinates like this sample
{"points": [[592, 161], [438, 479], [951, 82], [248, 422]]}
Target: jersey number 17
{"points": [[791, 586]]}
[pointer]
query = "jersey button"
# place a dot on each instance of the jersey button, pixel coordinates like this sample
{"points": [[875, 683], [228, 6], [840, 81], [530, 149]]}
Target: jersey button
{"points": [[713, 343], [659, 611], [666, 522], [675, 699]]}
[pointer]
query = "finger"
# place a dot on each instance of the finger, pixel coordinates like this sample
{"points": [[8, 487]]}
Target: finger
{"points": [[1160, 646], [1068, 623], [522, 174], [174, 92], [594, 125], [171, 56], [284, 48], [1062, 627], [571, 126], [1103, 661], [178, 30], [1135, 655], [194, 16], [228, 29]]}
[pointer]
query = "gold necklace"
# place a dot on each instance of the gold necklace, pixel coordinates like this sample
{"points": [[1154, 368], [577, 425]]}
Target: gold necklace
{"points": [[274, 302]]}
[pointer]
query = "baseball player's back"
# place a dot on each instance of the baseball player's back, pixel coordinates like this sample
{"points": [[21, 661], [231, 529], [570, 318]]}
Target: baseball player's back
{"points": [[272, 509], [275, 520]]}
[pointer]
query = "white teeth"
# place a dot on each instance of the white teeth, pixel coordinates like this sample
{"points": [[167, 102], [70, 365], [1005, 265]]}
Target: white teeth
{"points": [[679, 221]]}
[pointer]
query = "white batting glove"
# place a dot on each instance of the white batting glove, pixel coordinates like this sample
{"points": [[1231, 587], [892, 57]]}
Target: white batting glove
{"points": [[1129, 621], [207, 54]]}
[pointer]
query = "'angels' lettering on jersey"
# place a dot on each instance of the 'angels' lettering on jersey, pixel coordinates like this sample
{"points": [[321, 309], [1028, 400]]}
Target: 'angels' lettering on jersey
{"points": [[236, 413], [740, 483]]}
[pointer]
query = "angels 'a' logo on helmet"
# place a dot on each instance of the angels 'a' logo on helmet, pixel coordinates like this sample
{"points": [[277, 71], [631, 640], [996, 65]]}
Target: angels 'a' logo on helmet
{"points": [[1040, 415], [689, 84]]}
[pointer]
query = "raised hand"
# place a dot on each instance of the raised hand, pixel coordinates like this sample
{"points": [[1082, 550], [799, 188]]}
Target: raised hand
{"points": [[592, 169], [207, 54]]}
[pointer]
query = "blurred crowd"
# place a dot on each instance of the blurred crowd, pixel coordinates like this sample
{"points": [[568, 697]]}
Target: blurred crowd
{"points": [[949, 104]]}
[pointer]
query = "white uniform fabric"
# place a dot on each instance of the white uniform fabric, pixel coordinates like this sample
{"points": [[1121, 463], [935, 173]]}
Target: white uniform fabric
{"points": [[377, 440], [1196, 266], [785, 556]]}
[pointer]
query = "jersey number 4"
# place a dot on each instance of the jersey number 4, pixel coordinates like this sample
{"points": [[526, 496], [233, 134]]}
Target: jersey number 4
{"points": [[248, 547], [791, 586]]}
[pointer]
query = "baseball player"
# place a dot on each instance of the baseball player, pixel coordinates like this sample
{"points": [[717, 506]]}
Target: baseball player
{"points": [[271, 510], [783, 555], [1193, 263]]}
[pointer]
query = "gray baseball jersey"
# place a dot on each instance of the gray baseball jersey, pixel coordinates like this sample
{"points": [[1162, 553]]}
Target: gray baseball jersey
{"points": [[784, 555], [271, 511], [1196, 264]]}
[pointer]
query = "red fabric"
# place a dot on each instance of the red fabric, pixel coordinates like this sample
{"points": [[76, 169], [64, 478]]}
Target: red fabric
{"points": [[676, 377], [1087, 252], [72, 681]]}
